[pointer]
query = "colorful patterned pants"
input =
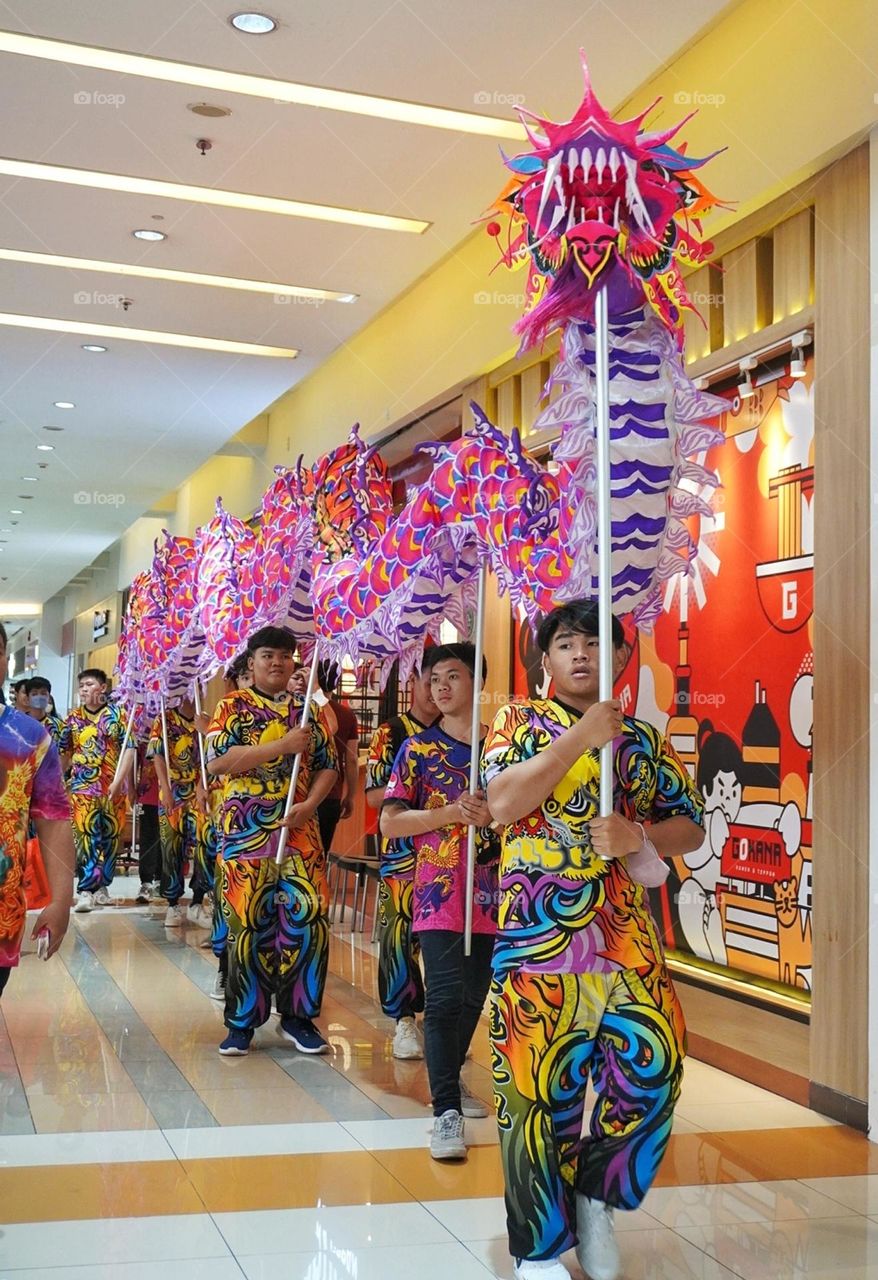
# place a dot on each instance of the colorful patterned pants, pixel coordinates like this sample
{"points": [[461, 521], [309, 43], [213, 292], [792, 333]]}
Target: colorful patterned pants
{"points": [[179, 831], [549, 1032], [400, 984], [278, 941], [206, 850], [97, 834], [219, 933]]}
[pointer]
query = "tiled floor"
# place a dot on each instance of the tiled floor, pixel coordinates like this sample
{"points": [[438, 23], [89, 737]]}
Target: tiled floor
{"points": [[129, 1148]]}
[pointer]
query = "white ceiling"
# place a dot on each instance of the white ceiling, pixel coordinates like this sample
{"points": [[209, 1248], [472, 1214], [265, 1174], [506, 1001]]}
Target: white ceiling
{"points": [[146, 416]]}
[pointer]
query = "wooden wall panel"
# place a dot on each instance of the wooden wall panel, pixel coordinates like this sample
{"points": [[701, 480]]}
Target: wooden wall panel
{"points": [[839, 1029], [793, 266], [746, 289], [509, 403]]}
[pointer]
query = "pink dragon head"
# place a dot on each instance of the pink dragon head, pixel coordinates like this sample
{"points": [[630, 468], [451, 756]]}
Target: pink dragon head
{"points": [[600, 202]]}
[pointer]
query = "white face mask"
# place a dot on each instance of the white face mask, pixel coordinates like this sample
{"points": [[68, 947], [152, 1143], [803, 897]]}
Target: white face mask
{"points": [[39, 701]]}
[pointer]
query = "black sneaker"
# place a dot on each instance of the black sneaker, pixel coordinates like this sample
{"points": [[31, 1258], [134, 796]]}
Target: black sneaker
{"points": [[303, 1034]]}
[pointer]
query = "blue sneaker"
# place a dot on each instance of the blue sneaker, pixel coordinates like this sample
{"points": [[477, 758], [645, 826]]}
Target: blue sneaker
{"points": [[236, 1043], [303, 1034]]}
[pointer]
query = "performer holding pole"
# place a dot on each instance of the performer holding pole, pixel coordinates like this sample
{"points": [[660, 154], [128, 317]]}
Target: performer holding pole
{"points": [[277, 913]]}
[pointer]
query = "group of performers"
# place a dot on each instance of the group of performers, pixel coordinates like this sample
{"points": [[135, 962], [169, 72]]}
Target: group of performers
{"points": [[563, 941]]}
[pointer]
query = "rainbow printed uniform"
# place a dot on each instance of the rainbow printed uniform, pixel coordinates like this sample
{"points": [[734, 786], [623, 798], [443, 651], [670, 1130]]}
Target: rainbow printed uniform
{"points": [[181, 831], [31, 786], [580, 986], [278, 939], [93, 739], [400, 983]]}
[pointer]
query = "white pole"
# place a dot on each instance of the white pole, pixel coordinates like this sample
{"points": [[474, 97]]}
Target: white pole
{"points": [[125, 740], [605, 564], [297, 761], [165, 741], [475, 751], [200, 738]]}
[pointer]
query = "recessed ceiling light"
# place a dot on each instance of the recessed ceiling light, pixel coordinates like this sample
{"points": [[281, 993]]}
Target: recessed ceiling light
{"points": [[14, 511], [176, 277], [92, 346], [147, 234], [100, 181], [52, 429], [52, 325], [253, 24], [45, 448], [64, 404], [31, 479]]}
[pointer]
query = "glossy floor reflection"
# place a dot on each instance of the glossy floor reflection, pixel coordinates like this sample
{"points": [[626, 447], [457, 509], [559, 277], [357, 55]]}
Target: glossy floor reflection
{"points": [[129, 1148]]}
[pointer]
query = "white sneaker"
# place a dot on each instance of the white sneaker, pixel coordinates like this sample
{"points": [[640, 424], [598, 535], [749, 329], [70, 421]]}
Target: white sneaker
{"points": [[155, 892], [596, 1250], [548, 1269], [174, 917], [407, 1040], [471, 1106], [85, 902], [143, 894], [446, 1140], [218, 990], [102, 897], [193, 913], [205, 916]]}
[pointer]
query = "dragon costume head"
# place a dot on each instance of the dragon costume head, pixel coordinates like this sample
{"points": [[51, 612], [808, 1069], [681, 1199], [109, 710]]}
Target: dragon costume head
{"points": [[600, 202]]}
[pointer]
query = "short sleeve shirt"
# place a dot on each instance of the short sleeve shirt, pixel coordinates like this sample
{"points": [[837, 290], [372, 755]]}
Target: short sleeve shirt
{"points": [[53, 726], [347, 731], [563, 909], [397, 856], [31, 786], [94, 740], [183, 747], [253, 802], [432, 770]]}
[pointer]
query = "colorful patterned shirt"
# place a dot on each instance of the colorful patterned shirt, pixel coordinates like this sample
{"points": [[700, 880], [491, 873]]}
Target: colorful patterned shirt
{"points": [[432, 770], [53, 726], [563, 909], [31, 786], [397, 856], [183, 746], [253, 802], [94, 741]]}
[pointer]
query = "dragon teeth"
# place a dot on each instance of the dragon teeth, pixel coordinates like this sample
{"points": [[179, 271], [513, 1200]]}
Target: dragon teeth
{"points": [[600, 163], [572, 160], [614, 163]]}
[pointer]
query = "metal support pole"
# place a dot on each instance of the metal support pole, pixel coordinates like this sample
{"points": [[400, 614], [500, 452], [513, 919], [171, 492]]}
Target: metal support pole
{"points": [[297, 761], [201, 755], [604, 531], [475, 752]]}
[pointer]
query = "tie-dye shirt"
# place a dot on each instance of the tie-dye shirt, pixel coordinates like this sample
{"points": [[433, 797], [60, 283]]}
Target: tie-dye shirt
{"points": [[253, 802], [31, 786], [94, 741], [183, 746], [563, 909], [432, 770], [397, 856]]}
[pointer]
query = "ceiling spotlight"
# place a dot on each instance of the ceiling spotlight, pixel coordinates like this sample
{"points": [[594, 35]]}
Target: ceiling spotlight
{"points": [[51, 429], [745, 386], [14, 511], [45, 448], [64, 404], [799, 342], [93, 346], [253, 24], [24, 497], [147, 234]]}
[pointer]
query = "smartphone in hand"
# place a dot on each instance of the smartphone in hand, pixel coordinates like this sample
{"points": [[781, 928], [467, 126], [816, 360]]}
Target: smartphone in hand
{"points": [[44, 939]]}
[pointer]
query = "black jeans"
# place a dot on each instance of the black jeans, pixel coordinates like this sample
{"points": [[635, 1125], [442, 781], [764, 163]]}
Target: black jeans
{"points": [[328, 814], [457, 987], [150, 862], [4, 978]]}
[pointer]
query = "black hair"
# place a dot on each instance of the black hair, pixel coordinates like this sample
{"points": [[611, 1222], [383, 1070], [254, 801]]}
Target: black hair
{"points": [[271, 638], [428, 658], [462, 651], [717, 753], [577, 615], [37, 682], [327, 677], [3, 635], [93, 673], [237, 666]]}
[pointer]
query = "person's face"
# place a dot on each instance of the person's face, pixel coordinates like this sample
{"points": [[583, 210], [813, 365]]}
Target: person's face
{"points": [[21, 701], [724, 793], [271, 668], [244, 680], [298, 681], [422, 698], [572, 663], [38, 703], [92, 693], [451, 684]]}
